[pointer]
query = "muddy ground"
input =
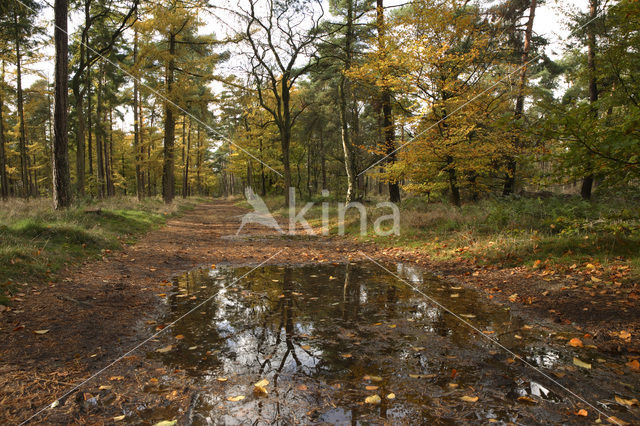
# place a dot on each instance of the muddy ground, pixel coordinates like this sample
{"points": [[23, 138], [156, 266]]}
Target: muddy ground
{"points": [[97, 311]]}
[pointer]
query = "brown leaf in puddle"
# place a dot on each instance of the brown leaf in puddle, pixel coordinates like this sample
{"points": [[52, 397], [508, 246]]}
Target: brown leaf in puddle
{"points": [[261, 383], [373, 399], [527, 399], [236, 398], [467, 398], [371, 387], [260, 390], [575, 342], [305, 347]]}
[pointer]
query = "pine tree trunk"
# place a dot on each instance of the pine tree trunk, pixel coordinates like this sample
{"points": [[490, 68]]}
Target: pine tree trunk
{"points": [[89, 120], [4, 181], [100, 181], [587, 182], [22, 142], [185, 180], [137, 140], [60, 164], [168, 184]]}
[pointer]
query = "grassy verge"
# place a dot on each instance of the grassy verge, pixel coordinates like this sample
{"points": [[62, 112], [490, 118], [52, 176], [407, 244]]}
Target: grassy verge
{"points": [[552, 232], [37, 241]]}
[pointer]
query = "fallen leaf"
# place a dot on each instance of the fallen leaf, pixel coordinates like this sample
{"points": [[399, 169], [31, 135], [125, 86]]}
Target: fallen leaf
{"points": [[391, 396], [595, 279], [179, 337], [629, 402], [305, 347], [118, 418], [302, 387], [575, 342], [373, 399], [260, 390], [118, 378], [236, 398], [105, 387], [262, 383], [221, 379], [617, 421], [346, 355], [454, 295], [581, 364], [422, 376], [634, 365], [371, 387], [41, 331], [581, 412], [166, 423], [165, 349], [527, 399], [513, 297], [624, 335], [467, 398]]}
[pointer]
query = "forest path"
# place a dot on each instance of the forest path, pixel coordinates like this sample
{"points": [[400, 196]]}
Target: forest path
{"points": [[99, 310]]}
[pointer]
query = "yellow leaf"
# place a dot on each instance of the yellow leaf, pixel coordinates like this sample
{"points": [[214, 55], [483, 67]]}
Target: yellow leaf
{"points": [[260, 390], [373, 399], [165, 349], [41, 331], [118, 418], [236, 398], [391, 396], [467, 398], [104, 387], [581, 364], [112, 378], [179, 337], [261, 383], [625, 335], [305, 347], [513, 297], [221, 379], [371, 387]]}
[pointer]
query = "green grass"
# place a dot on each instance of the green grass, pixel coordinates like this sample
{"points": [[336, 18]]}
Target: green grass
{"points": [[37, 241], [507, 232]]}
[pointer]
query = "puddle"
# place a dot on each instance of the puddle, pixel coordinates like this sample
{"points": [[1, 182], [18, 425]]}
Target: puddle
{"points": [[328, 337]]}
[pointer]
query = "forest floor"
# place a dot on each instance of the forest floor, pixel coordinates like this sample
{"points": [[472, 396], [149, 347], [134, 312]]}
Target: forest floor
{"points": [[59, 333]]}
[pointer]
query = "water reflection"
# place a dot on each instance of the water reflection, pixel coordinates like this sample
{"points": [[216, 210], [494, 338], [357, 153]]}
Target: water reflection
{"points": [[326, 337]]}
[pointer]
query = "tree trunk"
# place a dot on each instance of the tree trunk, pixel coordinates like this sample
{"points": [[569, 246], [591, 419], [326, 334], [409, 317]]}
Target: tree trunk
{"points": [[89, 120], [108, 157], [453, 183], [168, 184], [510, 180], [4, 181], [137, 143], [587, 182], [385, 102], [22, 139], [60, 164], [185, 180], [343, 91], [198, 162], [99, 138]]}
